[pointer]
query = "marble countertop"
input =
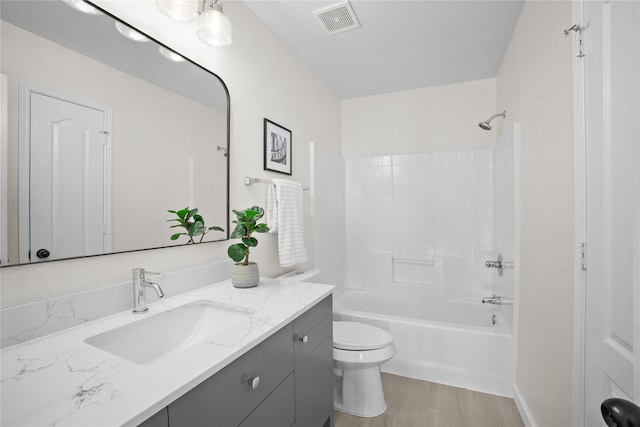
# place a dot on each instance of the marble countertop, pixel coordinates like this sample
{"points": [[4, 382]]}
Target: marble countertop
{"points": [[59, 380]]}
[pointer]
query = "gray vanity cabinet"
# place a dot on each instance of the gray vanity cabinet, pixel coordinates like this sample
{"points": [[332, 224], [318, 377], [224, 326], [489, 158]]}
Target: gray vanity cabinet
{"points": [[229, 396], [285, 381]]}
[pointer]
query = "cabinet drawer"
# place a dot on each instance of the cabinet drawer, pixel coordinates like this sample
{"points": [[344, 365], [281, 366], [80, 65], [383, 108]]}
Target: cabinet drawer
{"points": [[278, 409], [303, 324], [320, 332], [226, 398]]}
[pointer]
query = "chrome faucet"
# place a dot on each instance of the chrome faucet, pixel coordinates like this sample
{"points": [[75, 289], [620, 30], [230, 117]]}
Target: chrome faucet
{"points": [[140, 283], [496, 300]]}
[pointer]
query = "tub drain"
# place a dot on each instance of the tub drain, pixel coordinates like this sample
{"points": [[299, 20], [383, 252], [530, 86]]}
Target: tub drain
{"points": [[494, 319]]}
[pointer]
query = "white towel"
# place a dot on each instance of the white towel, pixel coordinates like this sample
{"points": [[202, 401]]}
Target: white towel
{"points": [[284, 216]]}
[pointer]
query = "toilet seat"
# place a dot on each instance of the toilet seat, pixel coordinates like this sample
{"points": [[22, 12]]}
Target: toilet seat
{"points": [[355, 359], [357, 336]]}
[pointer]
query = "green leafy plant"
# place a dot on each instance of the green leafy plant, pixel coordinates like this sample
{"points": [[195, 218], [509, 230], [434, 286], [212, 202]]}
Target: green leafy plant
{"points": [[246, 224], [192, 222]]}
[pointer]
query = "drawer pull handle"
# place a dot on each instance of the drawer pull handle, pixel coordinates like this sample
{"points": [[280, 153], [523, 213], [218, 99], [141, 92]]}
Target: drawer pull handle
{"points": [[254, 382], [304, 339]]}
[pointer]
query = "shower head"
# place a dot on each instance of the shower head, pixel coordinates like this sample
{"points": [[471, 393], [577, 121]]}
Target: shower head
{"points": [[486, 126]]}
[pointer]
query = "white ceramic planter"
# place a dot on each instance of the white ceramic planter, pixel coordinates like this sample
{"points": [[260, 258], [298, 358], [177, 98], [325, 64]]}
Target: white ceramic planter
{"points": [[245, 276]]}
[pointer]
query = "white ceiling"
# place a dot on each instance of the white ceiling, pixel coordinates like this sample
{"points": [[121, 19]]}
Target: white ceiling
{"points": [[401, 44]]}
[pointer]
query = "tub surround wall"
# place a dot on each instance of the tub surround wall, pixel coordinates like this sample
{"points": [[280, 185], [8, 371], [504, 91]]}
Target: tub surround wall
{"points": [[440, 208], [407, 122], [264, 80], [427, 269], [25, 322], [424, 121]]}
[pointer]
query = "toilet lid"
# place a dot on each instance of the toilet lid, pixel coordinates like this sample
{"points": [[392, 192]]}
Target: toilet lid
{"points": [[359, 336]]}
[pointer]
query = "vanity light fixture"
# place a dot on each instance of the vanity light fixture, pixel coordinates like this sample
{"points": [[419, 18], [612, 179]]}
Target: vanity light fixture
{"points": [[170, 55], [214, 28], [130, 33], [83, 7]]}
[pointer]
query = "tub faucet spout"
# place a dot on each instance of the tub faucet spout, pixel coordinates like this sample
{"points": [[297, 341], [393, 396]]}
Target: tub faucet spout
{"points": [[496, 300]]}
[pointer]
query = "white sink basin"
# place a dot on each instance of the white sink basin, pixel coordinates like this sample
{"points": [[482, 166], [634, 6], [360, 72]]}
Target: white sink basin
{"points": [[154, 337]]}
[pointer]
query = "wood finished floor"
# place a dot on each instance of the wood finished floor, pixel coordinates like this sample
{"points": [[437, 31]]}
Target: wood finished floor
{"points": [[415, 403]]}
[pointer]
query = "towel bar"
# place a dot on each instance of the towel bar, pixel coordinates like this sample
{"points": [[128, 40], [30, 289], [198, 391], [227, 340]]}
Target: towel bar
{"points": [[249, 181]]}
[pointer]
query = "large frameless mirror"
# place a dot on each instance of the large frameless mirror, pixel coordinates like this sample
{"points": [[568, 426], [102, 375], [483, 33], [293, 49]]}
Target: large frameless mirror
{"points": [[106, 131]]}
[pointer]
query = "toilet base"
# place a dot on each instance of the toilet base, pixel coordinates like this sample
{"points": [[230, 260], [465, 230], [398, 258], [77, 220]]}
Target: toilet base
{"points": [[338, 407], [359, 392]]}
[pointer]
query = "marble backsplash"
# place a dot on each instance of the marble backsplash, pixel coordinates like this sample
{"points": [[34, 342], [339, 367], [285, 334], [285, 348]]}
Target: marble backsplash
{"points": [[25, 322]]}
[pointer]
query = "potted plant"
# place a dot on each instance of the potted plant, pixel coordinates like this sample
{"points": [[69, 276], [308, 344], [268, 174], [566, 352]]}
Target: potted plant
{"points": [[245, 274], [192, 222]]}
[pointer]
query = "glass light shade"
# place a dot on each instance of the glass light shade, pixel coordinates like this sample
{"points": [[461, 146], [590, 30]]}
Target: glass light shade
{"points": [[130, 33], [83, 7], [170, 55], [179, 10], [214, 28]]}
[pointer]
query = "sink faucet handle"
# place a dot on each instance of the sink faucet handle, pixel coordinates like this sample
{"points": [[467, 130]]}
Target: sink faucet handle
{"points": [[141, 273]]}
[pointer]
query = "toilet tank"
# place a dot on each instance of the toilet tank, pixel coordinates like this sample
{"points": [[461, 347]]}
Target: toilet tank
{"points": [[302, 275]]}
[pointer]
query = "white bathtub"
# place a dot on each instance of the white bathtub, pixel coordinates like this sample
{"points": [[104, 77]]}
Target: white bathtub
{"points": [[449, 342]]}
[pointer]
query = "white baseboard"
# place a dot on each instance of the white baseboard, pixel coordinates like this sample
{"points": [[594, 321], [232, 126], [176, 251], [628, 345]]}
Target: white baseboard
{"points": [[523, 409]]}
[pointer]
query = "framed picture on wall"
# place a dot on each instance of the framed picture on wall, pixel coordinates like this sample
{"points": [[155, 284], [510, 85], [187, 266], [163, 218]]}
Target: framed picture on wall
{"points": [[278, 143]]}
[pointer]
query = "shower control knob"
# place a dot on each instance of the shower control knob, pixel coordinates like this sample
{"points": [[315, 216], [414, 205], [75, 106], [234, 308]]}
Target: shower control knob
{"points": [[497, 264], [254, 382]]}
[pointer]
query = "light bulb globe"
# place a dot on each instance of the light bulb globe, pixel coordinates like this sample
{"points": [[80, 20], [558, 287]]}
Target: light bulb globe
{"points": [[214, 28]]}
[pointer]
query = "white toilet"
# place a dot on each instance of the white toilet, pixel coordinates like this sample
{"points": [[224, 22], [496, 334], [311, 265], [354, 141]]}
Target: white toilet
{"points": [[358, 351]]}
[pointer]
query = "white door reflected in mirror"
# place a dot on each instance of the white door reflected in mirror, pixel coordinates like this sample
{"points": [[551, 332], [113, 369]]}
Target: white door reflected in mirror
{"points": [[69, 200]]}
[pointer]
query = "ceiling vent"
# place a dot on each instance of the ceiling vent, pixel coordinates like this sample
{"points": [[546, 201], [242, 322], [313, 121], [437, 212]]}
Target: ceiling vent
{"points": [[337, 18]]}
